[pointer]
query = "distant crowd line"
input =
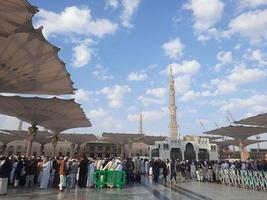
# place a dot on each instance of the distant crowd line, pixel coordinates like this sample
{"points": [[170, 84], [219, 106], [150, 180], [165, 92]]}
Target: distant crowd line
{"points": [[65, 172]]}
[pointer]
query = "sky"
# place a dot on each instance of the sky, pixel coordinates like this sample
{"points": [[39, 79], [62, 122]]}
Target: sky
{"points": [[118, 53]]}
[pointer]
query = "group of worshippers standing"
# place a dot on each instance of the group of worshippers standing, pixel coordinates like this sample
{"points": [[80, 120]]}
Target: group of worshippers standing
{"points": [[65, 172], [62, 172], [204, 171]]}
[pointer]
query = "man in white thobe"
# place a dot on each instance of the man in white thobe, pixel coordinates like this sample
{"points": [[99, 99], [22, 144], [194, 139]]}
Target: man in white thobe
{"points": [[90, 176]]}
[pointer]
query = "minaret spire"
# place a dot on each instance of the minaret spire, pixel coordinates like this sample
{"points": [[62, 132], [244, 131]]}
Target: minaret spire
{"points": [[140, 124], [172, 108]]}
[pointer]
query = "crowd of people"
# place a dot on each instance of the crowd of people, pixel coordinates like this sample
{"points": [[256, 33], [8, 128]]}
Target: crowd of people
{"points": [[65, 172]]}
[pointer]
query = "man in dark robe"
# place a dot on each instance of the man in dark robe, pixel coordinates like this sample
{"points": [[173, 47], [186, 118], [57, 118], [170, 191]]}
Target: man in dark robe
{"points": [[83, 172]]}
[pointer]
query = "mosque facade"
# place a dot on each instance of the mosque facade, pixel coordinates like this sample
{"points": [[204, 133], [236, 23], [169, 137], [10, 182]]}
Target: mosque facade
{"points": [[178, 147]]}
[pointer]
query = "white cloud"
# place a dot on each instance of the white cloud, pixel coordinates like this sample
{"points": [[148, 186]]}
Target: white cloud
{"points": [[251, 25], [189, 67], [137, 76], [225, 57], [101, 73], [241, 75], [150, 115], [182, 83], [129, 8], [112, 3], [147, 101], [154, 96], [97, 113], [82, 95], [206, 13], [238, 76], [223, 86], [115, 94], [190, 96], [82, 55], [173, 49], [258, 56], [7, 122], [237, 46], [157, 92], [74, 20], [252, 3], [256, 103], [103, 119]]}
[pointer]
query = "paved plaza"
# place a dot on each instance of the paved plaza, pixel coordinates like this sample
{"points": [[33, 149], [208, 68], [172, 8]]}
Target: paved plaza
{"points": [[145, 190]]}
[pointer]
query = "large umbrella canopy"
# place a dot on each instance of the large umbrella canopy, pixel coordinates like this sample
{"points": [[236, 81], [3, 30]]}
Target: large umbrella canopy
{"points": [[77, 138], [258, 120], [226, 143], [43, 137], [64, 124], [42, 111], [6, 138], [29, 64], [211, 138], [16, 16], [237, 132]]}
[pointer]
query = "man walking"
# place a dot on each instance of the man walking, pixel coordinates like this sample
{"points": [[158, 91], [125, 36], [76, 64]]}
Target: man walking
{"points": [[5, 169]]}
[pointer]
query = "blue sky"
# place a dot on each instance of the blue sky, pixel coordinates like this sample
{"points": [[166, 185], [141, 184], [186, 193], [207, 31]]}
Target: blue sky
{"points": [[118, 52]]}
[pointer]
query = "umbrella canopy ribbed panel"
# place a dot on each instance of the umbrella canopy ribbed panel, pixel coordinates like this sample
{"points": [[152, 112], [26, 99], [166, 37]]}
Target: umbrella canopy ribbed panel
{"points": [[238, 132], [30, 65], [77, 138], [43, 137], [65, 124], [16, 16], [38, 111], [6, 138], [258, 120]]}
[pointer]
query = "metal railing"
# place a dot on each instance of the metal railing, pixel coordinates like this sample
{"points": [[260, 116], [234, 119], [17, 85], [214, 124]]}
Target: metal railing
{"points": [[256, 180]]}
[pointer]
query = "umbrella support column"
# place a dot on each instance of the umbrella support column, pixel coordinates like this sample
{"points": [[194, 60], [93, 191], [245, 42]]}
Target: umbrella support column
{"points": [[130, 145], [72, 150], [31, 134], [42, 149], [4, 149], [54, 145], [243, 152], [78, 151], [122, 150]]}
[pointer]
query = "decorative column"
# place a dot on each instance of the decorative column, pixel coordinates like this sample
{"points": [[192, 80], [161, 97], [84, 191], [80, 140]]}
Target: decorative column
{"points": [[20, 125], [130, 145], [122, 150], [54, 144], [42, 150], [72, 149], [243, 153], [31, 134], [4, 148], [78, 149]]}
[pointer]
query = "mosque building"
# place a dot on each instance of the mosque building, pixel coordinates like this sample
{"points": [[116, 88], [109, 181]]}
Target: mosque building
{"points": [[178, 147]]}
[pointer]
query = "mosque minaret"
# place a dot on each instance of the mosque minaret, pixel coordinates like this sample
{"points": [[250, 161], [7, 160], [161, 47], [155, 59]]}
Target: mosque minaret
{"points": [[140, 124], [172, 108]]}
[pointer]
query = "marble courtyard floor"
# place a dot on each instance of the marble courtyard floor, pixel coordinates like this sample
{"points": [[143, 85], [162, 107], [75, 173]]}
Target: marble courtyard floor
{"points": [[145, 190]]}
